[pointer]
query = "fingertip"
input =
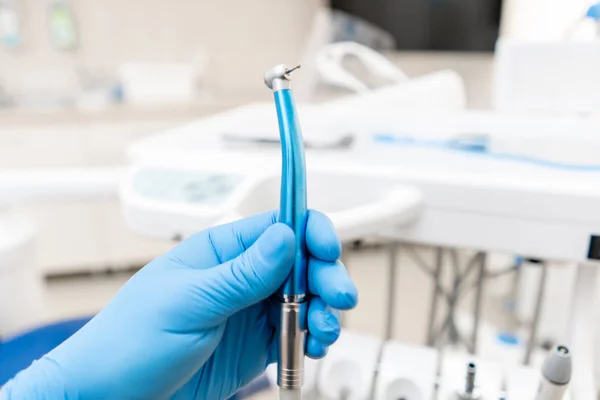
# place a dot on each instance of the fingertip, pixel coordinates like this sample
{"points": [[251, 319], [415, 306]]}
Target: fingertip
{"points": [[221, 243], [277, 243], [315, 349], [328, 330], [346, 298], [321, 239], [333, 284], [287, 234], [323, 322]]}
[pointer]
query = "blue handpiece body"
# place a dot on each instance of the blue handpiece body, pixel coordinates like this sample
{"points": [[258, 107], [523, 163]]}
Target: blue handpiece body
{"points": [[293, 208]]}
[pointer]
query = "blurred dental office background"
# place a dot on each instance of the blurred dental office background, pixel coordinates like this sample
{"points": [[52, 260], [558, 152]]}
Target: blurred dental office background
{"points": [[81, 82]]}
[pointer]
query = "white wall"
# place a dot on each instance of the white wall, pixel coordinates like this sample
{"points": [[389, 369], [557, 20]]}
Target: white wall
{"points": [[540, 19], [237, 35], [241, 38]]}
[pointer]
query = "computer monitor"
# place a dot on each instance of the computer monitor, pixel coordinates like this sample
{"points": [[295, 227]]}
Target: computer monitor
{"points": [[459, 25]]}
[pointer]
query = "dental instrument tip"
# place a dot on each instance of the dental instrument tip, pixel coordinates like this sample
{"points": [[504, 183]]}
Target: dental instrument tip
{"points": [[289, 70], [556, 374]]}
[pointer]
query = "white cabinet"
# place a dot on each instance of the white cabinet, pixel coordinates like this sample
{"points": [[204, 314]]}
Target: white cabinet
{"points": [[76, 236]]}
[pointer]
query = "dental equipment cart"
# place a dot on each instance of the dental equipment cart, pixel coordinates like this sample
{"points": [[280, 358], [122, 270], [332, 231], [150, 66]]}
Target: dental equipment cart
{"points": [[407, 194]]}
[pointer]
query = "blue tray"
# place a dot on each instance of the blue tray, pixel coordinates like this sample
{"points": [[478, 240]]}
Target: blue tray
{"points": [[19, 352]]}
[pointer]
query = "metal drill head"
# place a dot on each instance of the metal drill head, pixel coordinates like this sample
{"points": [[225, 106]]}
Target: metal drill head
{"points": [[279, 72], [290, 70]]}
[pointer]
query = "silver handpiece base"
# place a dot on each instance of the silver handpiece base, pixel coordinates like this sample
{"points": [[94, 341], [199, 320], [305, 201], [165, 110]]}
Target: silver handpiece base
{"points": [[290, 372]]}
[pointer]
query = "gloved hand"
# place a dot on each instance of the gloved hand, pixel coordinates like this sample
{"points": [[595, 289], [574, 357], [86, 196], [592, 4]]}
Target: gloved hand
{"points": [[196, 323], [594, 12]]}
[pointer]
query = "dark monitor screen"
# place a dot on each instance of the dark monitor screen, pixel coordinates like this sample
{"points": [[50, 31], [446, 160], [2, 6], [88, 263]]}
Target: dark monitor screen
{"points": [[461, 25]]}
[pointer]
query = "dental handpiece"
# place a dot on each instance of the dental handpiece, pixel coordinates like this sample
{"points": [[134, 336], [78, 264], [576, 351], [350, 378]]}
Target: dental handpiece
{"points": [[556, 374], [293, 212]]}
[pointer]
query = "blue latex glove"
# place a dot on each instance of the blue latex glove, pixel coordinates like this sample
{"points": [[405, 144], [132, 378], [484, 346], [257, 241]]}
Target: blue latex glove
{"points": [[594, 12], [196, 323]]}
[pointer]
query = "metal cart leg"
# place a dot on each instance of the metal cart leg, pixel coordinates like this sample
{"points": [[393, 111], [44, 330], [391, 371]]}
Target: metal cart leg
{"points": [[431, 339], [478, 300], [391, 299], [536, 314]]}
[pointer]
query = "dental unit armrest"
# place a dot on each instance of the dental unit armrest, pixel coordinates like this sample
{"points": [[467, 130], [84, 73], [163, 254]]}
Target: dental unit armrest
{"points": [[329, 63], [399, 206]]}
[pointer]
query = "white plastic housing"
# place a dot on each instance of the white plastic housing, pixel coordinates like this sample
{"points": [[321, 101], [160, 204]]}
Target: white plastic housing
{"points": [[522, 383], [357, 206], [406, 372], [498, 204], [552, 77], [349, 367]]}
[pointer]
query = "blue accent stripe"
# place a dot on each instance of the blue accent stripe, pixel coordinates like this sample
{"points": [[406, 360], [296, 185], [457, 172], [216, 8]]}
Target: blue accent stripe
{"points": [[293, 208], [481, 148]]}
